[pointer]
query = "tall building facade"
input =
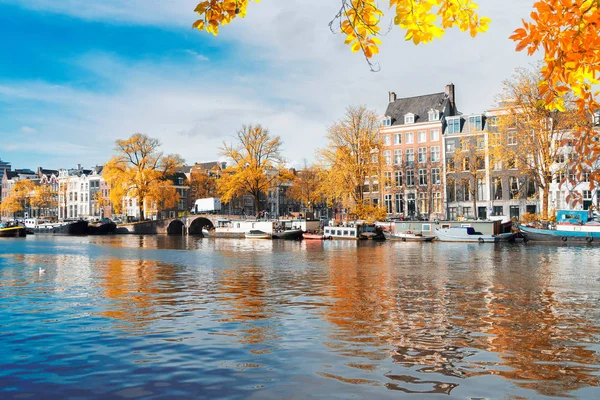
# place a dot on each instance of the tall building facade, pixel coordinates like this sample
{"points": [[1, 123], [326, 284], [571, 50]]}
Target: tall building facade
{"points": [[412, 150]]}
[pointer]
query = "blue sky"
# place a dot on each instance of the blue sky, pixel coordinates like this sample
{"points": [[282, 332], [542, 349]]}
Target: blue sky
{"points": [[77, 74]]}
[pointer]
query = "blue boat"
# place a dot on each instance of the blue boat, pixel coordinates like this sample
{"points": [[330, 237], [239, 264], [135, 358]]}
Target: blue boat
{"points": [[563, 234]]}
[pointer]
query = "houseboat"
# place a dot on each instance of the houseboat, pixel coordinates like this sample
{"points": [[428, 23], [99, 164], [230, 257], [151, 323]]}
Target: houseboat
{"points": [[469, 234], [356, 231], [408, 237], [571, 227], [11, 229]]}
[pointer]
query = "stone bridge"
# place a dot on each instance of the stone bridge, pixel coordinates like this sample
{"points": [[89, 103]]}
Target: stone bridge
{"points": [[189, 225]]}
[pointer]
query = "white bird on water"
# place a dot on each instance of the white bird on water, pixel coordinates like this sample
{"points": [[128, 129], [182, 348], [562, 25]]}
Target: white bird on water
{"points": [[41, 271]]}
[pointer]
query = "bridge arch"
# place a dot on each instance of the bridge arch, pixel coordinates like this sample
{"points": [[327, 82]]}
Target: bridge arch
{"points": [[198, 224], [176, 227]]}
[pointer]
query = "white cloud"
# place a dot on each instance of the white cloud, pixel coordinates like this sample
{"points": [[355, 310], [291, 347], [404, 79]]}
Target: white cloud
{"points": [[28, 130], [306, 77]]}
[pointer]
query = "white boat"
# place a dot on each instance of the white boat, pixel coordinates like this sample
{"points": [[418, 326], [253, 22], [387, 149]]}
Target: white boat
{"points": [[254, 234], [468, 234], [408, 237]]}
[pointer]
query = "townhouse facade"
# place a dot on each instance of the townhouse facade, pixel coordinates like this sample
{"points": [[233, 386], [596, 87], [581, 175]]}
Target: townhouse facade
{"points": [[411, 137], [77, 190]]}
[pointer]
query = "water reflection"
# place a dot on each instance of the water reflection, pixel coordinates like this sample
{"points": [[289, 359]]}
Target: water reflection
{"points": [[343, 317]]}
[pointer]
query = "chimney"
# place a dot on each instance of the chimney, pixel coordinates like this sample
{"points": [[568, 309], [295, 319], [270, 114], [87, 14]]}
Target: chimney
{"points": [[78, 167], [392, 96], [450, 92]]}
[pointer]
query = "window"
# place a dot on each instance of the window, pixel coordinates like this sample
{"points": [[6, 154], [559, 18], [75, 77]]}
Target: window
{"points": [[511, 138], [423, 177], [480, 142], [435, 176], [398, 156], [374, 158], [410, 156], [422, 135], [387, 177], [399, 203], [475, 123], [437, 202], [435, 153], [422, 154], [434, 115], [387, 199], [450, 146], [409, 118], [452, 214], [386, 140], [410, 138], [586, 177], [492, 124], [410, 178], [466, 211], [387, 157], [397, 138], [497, 189], [434, 135], [453, 125], [513, 184], [398, 178], [180, 181], [387, 121], [423, 204], [467, 192], [560, 158], [498, 210], [481, 189]]}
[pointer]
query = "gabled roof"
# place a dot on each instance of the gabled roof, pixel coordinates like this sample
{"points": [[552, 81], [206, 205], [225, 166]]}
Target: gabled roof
{"points": [[418, 105], [10, 174], [47, 171]]}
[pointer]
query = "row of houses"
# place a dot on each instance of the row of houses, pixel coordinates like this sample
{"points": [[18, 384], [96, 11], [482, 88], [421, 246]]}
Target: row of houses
{"points": [[82, 193], [420, 136]]}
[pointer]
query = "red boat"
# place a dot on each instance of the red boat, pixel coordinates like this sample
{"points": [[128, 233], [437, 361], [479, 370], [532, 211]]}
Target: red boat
{"points": [[315, 236]]}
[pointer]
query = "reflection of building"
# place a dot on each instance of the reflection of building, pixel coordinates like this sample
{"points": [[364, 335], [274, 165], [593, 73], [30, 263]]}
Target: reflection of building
{"points": [[412, 154]]}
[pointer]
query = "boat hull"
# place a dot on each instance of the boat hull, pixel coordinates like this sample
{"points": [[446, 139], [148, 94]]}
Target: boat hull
{"points": [[408, 237], [106, 228], [314, 236], [560, 236], [16, 231], [292, 234], [78, 228]]}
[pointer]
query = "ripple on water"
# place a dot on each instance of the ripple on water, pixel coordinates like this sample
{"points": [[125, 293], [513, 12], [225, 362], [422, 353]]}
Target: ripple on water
{"points": [[157, 316]]}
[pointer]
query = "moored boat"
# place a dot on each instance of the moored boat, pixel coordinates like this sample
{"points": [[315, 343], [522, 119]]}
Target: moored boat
{"points": [[9, 229], [255, 234], [315, 236], [407, 237], [468, 234], [289, 234], [562, 234], [76, 228], [102, 227]]}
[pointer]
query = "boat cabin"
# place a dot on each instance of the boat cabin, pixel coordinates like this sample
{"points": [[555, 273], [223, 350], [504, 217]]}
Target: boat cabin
{"points": [[573, 216]]}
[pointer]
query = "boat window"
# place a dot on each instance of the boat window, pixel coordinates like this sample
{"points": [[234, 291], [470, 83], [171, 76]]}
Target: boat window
{"points": [[238, 224], [327, 231], [426, 227], [339, 233], [346, 233], [445, 226]]}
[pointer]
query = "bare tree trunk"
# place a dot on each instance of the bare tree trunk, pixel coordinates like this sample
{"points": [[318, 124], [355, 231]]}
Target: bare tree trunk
{"points": [[141, 207]]}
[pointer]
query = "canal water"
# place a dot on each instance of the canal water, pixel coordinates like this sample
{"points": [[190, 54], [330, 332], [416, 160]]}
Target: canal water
{"points": [[182, 317]]}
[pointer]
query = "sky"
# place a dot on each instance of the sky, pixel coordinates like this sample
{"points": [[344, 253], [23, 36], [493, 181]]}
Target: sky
{"points": [[78, 74]]}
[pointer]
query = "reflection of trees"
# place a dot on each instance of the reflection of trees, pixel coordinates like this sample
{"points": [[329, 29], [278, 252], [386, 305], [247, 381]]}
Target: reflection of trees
{"points": [[244, 289], [131, 284], [539, 338]]}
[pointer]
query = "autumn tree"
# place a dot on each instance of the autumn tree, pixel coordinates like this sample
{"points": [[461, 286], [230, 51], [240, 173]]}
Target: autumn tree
{"points": [[202, 184], [139, 170], [467, 165], [532, 137], [306, 186], [351, 158], [257, 164], [44, 197], [360, 21], [10, 206]]}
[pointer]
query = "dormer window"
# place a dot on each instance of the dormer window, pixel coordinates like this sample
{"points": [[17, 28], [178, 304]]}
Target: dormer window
{"points": [[180, 179], [409, 118], [453, 125], [387, 121], [434, 115]]}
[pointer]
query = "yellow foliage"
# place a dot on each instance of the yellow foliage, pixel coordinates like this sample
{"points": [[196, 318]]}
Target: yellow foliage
{"points": [[306, 186], [139, 170], [202, 185], [527, 218], [257, 165], [360, 20], [369, 212], [44, 197], [10, 205], [352, 154]]}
